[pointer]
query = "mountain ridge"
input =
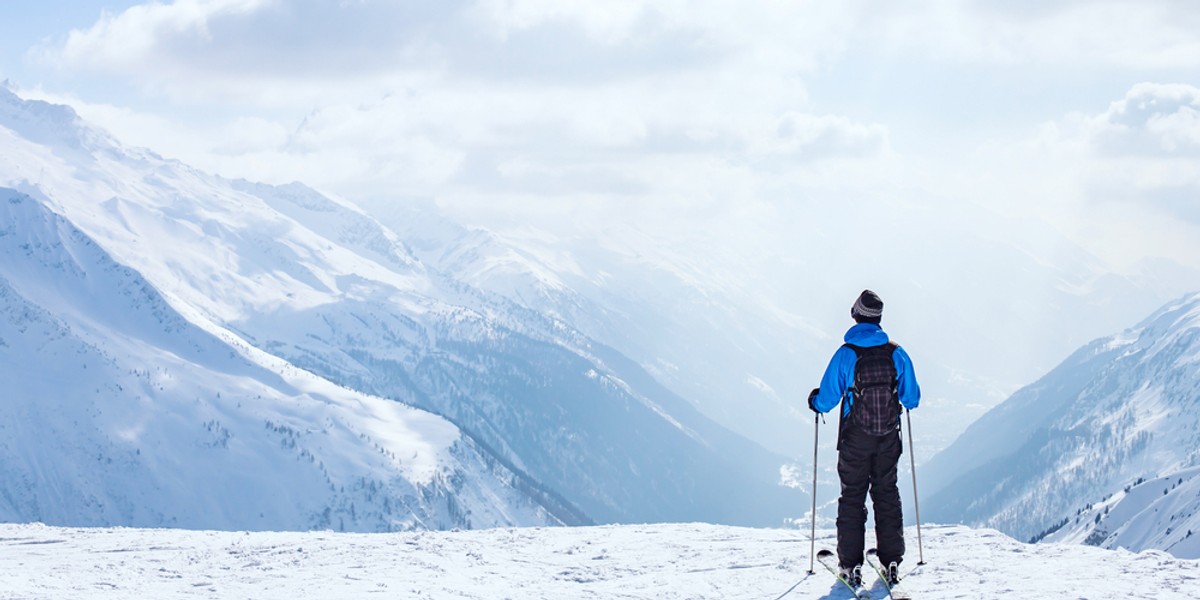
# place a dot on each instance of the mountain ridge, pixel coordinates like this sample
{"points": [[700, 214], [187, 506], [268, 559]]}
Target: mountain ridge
{"points": [[1120, 409]]}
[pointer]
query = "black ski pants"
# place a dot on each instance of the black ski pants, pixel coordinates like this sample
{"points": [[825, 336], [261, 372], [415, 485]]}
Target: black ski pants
{"points": [[867, 463]]}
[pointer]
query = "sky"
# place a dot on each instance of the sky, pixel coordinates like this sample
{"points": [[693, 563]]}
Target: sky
{"points": [[689, 118]]}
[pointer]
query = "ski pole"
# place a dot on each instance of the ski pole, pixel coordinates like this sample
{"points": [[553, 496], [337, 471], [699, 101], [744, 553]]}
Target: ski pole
{"points": [[916, 502], [812, 536]]}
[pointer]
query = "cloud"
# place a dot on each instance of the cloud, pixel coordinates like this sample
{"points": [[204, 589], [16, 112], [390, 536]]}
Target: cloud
{"points": [[528, 98], [1152, 124], [611, 22], [278, 41], [805, 135], [1135, 34], [1133, 168], [633, 110], [142, 32], [1151, 120]]}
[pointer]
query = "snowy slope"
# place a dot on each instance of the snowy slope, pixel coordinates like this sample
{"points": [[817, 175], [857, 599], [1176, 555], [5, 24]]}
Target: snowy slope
{"points": [[724, 348], [1159, 513], [119, 410], [1122, 409], [659, 562], [317, 283]]}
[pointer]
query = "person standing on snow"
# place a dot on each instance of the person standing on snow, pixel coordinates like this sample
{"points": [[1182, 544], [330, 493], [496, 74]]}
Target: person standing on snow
{"points": [[873, 379]]}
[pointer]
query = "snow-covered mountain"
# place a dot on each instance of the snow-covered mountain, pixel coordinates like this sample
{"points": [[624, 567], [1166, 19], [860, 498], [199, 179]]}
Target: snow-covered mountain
{"points": [[659, 562], [312, 282], [118, 410], [738, 358], [1116, 426]]}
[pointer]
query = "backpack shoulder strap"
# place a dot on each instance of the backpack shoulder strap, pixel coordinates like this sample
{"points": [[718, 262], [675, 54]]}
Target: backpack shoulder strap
{"points": [[860, 350]]}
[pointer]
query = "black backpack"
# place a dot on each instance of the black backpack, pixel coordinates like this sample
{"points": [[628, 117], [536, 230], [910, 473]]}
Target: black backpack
{"points": [[876, 407]]}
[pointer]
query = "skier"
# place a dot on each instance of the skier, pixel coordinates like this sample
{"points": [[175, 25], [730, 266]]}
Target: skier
{"points": [[872, 378]]}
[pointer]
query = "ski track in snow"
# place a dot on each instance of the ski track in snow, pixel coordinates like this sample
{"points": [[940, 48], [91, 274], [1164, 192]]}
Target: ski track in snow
{"points": [[639, 561]]}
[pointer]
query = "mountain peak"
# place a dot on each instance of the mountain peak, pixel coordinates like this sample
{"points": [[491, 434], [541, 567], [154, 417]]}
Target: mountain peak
{"points": [[55, 125]]}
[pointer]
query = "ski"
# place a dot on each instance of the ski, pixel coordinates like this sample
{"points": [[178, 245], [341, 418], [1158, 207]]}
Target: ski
{"points": [[829, 560], [894, 592]]}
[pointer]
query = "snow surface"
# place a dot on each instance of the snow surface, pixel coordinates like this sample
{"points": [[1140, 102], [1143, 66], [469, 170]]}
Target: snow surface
{"points": [[692, 561]]}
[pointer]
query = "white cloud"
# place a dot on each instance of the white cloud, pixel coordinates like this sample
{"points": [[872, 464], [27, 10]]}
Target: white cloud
{"points": [[593, 111], [1142, 149], [611, 22], [522, 97], [1139, 34], [137, 35], [805, 135], [1121, 182], [1152, 119]]}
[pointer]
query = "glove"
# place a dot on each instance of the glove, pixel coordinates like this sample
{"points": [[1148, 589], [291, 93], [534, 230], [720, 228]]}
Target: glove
{"points": [[812, 398]]}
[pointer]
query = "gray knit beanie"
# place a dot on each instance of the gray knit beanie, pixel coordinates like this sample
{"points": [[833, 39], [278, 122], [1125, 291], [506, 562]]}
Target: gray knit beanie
{"points": [[868, 308]]}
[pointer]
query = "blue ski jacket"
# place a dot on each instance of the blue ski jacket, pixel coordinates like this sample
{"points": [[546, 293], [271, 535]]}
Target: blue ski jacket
{"points": [[839, 375]]}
